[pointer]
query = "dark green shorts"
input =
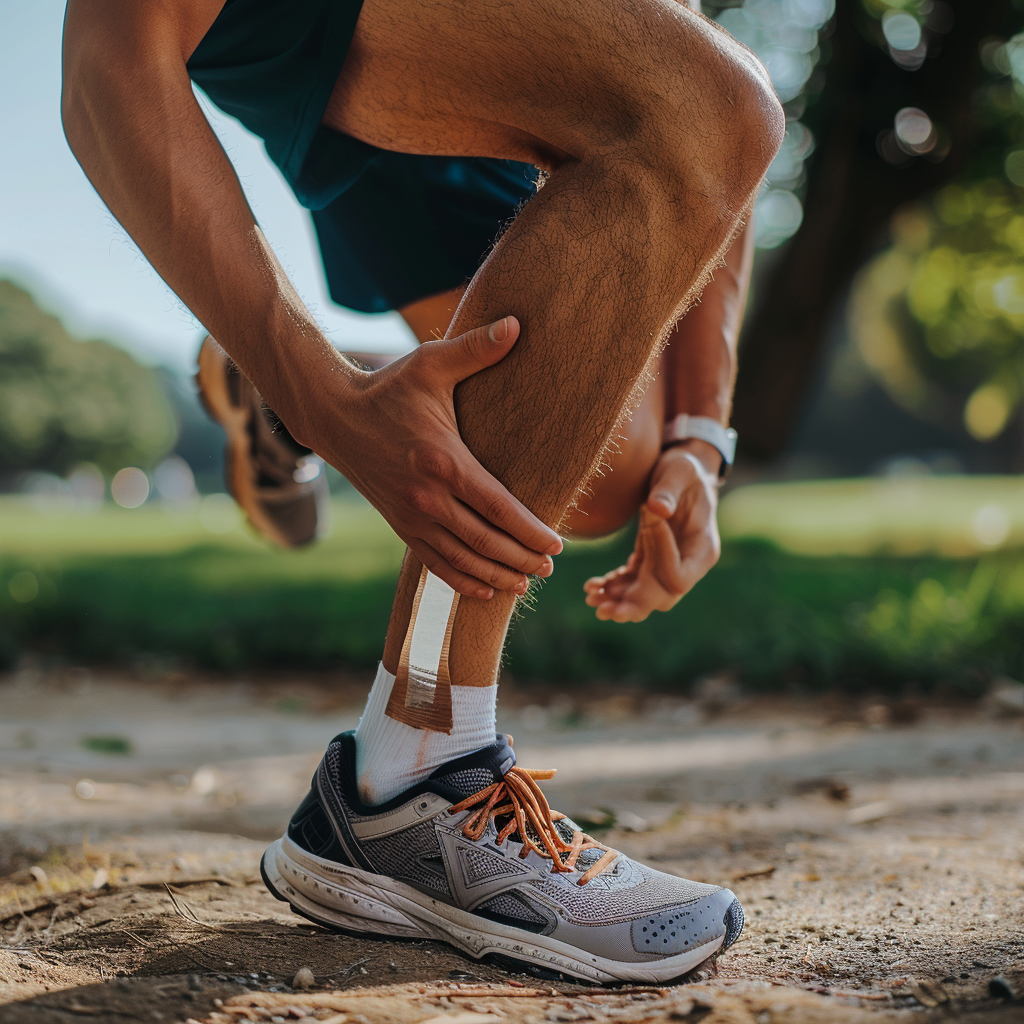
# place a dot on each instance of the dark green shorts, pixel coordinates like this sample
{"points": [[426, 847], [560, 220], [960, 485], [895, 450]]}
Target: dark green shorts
{"points": [[413, 226], [393, 228], [273, 64]]}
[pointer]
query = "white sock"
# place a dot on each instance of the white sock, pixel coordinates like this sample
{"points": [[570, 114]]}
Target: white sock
{"points": [[392, 756]]}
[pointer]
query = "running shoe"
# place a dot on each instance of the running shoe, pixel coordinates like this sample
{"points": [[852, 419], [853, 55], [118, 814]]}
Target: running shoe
{"points": [[279, 484], [475, 857]]}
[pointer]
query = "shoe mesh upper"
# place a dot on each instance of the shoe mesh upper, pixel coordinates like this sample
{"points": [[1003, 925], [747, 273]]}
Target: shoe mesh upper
{"points": [[638, 891], [481, 866], [468, 780], [401, 856]]}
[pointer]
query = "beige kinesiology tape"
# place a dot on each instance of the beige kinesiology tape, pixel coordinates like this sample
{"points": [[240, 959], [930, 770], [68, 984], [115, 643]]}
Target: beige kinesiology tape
{"points": [[422, 694]]}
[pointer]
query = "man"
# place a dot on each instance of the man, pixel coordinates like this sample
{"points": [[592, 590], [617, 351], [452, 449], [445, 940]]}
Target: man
{"points": [[406, 236], [655, 129]]}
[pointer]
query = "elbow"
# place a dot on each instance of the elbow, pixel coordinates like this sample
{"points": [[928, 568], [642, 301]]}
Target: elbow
{"points": [[72, 118], [78, 87]]}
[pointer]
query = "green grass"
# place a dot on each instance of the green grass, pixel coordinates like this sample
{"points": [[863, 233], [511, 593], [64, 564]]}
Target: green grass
{"points": [[153, 587], [950, 515]]}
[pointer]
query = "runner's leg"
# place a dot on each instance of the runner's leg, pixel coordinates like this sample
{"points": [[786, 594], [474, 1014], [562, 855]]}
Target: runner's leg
{"points": [[656, 128]]}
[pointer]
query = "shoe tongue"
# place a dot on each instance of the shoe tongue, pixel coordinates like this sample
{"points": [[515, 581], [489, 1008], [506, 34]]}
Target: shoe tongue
{"points": [[473, 772]]}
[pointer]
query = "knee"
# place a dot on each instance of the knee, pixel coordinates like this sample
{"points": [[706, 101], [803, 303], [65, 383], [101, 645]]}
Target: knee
{"points": [[713, 124], [743, 125], [753, 118]]}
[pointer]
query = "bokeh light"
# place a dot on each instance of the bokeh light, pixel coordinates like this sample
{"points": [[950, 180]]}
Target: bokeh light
{"points": [[779, 214], [23, 586], [902, 31], [991, 526], [914, 130], [174, 481], [130, 487], [87, 486], [785, 35], [987, 412]]}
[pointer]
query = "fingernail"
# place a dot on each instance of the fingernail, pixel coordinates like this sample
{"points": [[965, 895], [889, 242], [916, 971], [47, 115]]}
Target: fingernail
{"points": [[547, 568], [498, 331], [521, 587], [668, 501], [555, 549], [486, 595]]}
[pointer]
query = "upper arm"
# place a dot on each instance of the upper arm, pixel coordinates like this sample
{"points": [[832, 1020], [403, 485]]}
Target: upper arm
{"points": [[119, 44], [120, 25]]}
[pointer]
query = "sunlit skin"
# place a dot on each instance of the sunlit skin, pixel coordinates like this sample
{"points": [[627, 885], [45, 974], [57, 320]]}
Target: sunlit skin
{"points": [[656, 129], [675, 491]]}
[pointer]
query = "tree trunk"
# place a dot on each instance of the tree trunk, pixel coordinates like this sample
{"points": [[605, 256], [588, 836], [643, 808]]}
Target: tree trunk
{"points": [[851, 196]]}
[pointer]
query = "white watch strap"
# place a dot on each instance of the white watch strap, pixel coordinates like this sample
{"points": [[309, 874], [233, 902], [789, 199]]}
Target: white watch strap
{"points": [[684, 426]]}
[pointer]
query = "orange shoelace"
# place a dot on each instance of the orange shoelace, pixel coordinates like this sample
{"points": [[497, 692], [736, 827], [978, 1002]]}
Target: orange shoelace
{"points": [[519, 795]]}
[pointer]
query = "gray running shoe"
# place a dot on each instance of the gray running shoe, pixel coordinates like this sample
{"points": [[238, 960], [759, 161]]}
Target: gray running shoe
{"points": [[280, 485], [475, 857]]}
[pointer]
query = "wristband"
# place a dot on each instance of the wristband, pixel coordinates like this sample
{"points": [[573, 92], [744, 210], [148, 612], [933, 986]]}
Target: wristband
{"points": [[704, 428]]}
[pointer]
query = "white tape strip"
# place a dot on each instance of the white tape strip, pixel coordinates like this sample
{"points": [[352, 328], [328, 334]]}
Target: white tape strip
{"points": [[427, 643]]}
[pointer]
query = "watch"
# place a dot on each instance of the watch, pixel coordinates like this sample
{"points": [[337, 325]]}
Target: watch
{"points": [[704, 428]]}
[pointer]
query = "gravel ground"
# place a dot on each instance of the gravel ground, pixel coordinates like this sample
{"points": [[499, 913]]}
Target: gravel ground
{"points": [[878, 848]]}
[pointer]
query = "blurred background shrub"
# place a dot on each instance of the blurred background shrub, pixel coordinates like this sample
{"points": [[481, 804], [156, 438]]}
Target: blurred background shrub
{"points": [[64, 401]]}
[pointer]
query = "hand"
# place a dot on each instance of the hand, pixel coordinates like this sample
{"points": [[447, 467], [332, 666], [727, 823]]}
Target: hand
{"points": [[400, 447], [677, 541]]}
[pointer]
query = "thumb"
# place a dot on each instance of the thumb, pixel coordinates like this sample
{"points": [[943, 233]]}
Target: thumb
{"points": [[475, 350], [668, 481]]}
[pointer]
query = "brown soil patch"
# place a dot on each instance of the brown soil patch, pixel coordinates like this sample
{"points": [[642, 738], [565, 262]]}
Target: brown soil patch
{"points": [[881, 869]]}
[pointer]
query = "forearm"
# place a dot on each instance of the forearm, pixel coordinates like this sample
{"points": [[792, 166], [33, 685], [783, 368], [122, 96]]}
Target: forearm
{"points": [[699, 364], [135, 127]]}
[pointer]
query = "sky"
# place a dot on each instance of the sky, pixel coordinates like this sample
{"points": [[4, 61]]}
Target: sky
{"points": [[59, 240]]}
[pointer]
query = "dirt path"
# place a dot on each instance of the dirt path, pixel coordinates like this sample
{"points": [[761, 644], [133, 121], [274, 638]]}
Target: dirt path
{"points": [[878, 850]]}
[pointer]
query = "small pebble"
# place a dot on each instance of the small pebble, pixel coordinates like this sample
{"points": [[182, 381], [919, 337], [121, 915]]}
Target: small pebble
{"points": [[303, 978]]}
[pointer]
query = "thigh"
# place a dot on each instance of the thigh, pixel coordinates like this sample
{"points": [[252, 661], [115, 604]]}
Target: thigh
{"points": [[536, 80]]}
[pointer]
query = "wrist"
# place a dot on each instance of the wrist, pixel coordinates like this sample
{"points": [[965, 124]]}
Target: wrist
{"points": [[704, 452], [686, 427], [301, 377]]}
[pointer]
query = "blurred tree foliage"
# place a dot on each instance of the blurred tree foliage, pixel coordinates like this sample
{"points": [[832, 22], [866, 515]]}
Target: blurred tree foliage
{"points": [[64, 401], [907, 97], [939, 316]]}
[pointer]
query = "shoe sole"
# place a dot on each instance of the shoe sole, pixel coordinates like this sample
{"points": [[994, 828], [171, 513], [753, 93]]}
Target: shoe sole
{"points": [[213, 393], [359, 902]]}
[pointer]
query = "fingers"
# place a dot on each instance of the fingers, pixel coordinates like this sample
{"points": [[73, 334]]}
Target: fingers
{"points": [[468, 561], [669, 482], [493, 544], [481, 492], [455, 359], [466, 585], [654, 579]]}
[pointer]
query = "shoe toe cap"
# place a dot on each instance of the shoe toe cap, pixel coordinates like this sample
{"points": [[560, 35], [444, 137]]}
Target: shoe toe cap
{"points": [[670, 932]]}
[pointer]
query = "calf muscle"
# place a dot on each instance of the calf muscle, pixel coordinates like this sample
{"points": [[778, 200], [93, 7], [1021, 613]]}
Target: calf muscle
{"points": [[663, 129]]}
